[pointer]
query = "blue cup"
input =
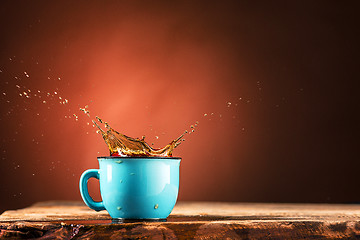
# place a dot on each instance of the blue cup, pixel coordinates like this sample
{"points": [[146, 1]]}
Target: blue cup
{"points": [[134, 187]]}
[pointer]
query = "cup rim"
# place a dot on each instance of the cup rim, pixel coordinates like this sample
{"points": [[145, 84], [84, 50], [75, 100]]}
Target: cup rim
{"points": [[143, 157]]}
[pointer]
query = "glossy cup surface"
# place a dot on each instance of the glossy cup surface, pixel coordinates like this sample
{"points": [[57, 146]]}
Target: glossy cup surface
{"points": [[135, 188]]}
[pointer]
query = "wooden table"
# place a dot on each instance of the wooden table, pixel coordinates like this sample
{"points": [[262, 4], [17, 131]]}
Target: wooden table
{"points": [[189, 220]]}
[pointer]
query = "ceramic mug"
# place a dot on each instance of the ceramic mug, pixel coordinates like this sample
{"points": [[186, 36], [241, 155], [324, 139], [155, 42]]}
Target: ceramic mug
{"points": [[134, 187]]}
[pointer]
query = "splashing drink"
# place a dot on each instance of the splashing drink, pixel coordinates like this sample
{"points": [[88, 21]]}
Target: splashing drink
{"points": [[136, 180], [124, 146]]}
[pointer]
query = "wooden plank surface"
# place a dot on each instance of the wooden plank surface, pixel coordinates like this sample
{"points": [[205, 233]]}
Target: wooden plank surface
{"points": [[189, 220]]}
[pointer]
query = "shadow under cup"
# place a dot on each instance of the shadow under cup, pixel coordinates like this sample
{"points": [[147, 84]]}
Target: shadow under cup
{"points": [[134, 187]]}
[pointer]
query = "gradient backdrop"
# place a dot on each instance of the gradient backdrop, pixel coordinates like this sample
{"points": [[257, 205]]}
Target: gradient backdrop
{"points": [[278, 81]]}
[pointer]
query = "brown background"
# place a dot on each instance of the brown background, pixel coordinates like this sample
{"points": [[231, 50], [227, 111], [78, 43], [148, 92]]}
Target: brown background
{"points": [[289, 69]]}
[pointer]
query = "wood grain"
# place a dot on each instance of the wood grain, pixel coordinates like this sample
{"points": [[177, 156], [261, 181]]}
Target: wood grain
{"points": [[189, 220]]}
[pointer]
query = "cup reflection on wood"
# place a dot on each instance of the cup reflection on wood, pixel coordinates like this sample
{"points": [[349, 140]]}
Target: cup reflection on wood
{"points": [[134, 187]]}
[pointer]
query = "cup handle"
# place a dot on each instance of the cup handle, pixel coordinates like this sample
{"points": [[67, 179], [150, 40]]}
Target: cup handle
{"points": [[97, 206]]}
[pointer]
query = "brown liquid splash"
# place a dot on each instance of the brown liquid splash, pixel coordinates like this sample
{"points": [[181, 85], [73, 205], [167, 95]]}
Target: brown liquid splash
{"points": [[122, 145]]}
